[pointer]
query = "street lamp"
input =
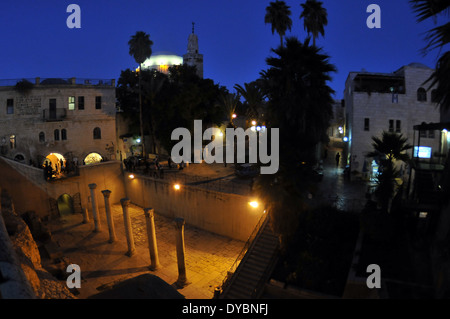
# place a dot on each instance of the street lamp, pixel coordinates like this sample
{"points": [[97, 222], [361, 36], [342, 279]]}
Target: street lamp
{"points": [[254, 204]]}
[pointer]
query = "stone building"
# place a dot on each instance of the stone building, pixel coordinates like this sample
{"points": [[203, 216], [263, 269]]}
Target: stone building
{"points": [[393, 102], [58, 119]]}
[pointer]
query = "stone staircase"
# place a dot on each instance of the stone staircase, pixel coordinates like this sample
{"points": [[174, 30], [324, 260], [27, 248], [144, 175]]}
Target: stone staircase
{"points": [[247, 282]]}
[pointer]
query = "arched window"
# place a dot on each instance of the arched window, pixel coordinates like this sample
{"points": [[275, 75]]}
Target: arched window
{"points": [[97, 133], [42, 137], [421, 95], [434, 98], [63, 134], [56, 134]]}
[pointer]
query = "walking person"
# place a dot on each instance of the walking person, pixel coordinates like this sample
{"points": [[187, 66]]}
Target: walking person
{"points": [[338, 157]]}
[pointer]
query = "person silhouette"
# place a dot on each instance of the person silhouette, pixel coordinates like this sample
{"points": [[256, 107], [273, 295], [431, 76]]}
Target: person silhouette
{"points": [[338, 157]]}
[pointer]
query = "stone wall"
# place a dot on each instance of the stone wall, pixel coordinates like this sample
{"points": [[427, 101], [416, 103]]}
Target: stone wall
{"points": [[31, 192], [21, 271], [221, 213]]}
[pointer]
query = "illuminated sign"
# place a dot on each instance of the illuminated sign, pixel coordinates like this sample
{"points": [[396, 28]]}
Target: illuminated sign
{"points": [[422, 151]]}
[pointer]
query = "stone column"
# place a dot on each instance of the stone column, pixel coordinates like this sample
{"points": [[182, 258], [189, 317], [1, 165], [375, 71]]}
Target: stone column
{"points": [[127, 222], [151, 235], [179, 226], [85, 215], [97, 223], [112, 232]]}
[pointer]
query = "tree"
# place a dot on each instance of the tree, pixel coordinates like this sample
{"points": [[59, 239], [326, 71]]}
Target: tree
{"points": [[254, 98], [300, 105], [140, 47], [437, 38], [278, 15], [228, 103], [390, 148], [315, 18]]}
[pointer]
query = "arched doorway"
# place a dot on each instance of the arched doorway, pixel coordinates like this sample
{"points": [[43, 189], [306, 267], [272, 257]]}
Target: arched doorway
{"points": [[93, 158], [56, 161], [65, 205]]}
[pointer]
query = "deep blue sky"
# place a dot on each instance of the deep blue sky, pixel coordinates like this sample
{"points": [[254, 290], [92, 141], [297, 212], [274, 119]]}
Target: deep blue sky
{"points": [[233, 38]]}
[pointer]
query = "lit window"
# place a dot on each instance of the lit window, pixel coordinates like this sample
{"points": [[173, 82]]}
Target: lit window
{"points": [[421, 95], [12, 141], [9, 106], [97, 133], [98, 102], [71, 102]]}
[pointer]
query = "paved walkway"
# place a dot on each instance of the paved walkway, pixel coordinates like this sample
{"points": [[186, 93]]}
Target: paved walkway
{"points": [[337, 190], [208, 256]]}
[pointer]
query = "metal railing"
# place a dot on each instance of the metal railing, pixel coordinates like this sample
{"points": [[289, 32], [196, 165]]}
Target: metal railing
{"points": [[227, 280]]}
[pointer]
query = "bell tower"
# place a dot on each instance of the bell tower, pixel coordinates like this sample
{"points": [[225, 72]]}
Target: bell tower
{"points": [[192, 57]]}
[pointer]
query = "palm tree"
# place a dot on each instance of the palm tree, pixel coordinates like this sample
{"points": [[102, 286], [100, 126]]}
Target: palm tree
{"points": [[278, 14], [315, 18], [299, 104], [254, 98], [437, 37], [228, 103], [390, 148], [140, 47]]}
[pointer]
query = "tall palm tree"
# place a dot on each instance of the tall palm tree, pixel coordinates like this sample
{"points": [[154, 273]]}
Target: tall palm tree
{"points": [[254, 98], [299, 104], [140, 47], [315, 18], [278, 15], [437, 37]]}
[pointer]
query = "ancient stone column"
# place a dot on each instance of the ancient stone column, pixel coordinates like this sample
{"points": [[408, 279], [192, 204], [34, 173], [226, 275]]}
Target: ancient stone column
{"points": [[127, 222], [85, 215], [97, 223], [151, 235], [112, 232], [179, 226]]}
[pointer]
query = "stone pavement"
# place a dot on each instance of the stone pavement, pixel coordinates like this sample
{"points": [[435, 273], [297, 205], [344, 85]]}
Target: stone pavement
{"points": [[338, 191], [208, 256]]}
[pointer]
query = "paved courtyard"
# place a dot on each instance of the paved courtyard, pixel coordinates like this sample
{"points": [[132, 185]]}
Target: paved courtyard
{"points": [[208, 256]]}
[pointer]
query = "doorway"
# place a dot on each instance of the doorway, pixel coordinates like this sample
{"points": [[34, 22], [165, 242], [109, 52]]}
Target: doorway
{"points": [[65, 205]]}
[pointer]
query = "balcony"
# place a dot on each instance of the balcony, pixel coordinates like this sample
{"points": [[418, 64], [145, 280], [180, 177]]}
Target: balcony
{"points": [[54, 115]]}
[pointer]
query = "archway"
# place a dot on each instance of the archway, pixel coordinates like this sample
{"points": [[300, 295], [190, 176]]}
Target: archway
{"points": [[56, 161], [93, 158], [65, 205]]}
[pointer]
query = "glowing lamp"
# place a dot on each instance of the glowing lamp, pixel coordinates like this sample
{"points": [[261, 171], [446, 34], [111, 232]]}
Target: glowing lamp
{"points": [[254, 204], [234, 116], [176, 187], [131, 176], [253, 123]]}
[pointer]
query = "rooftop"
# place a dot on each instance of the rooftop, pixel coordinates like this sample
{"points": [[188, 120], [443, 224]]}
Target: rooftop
{"points": [[58, 81]]}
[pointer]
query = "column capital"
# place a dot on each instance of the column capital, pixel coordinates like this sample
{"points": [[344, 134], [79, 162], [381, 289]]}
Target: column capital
{"points": [[149, 212], [92, 186], [106, 192], [125, 202], [179, 223]]}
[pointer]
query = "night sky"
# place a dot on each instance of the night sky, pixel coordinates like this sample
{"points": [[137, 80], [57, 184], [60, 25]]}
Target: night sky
{"points": [[235, 41]]}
